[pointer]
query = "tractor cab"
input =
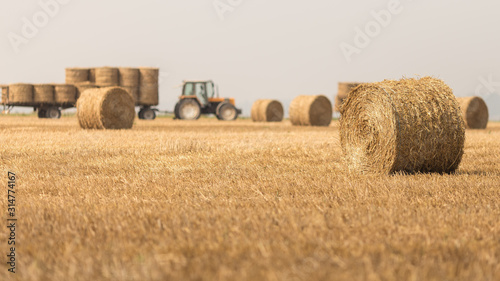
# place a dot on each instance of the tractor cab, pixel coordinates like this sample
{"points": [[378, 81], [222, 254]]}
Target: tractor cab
{"points": [[200, 97]]}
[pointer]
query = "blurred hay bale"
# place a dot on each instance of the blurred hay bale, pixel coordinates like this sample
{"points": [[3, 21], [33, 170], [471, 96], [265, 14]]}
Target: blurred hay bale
{"points": [[254, 112], [106, 76], [5, 93], [20, 93], [149, 76], [133, 91], [81, 87], [106, 108], [474, 112], [128, 77], [43, 93], [344, 90], [411, 125], [311, 111], [65, 93], [92, 75], [148, 95], [270, 111], [77, 75]]}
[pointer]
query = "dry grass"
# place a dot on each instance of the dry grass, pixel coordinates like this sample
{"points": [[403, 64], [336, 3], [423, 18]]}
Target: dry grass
{"points": [[239, 201]]}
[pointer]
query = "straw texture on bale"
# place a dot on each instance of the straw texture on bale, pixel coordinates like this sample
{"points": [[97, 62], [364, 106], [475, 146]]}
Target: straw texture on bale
{"points": [[5, 93], [311, 111], [106, 76], [344, 89], [148, 95], [411, 125], [20, 93], [81, 87], [77, 75], [134, 92], [106, 108], [43, 93], [474, 112], [267, 111], [149, 76], [65, 93], [128, 77]]}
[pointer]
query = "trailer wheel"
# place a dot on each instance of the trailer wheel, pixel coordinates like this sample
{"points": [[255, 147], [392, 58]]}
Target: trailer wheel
{"points": [[42, 113], [148, 114], [53, 113]]}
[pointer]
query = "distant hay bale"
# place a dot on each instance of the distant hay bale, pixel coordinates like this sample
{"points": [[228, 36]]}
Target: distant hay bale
{"points": [[77, 75], [82, 87], [148, 95], [311, 111], [92, 75], [128, 77], [106, 76], [474, 112], [65, 93], [20, 93], [267, 111], [43, 93], [5, 93], [254, 112], [149, 76], [344, 89], [411, 125], [106, 108]]}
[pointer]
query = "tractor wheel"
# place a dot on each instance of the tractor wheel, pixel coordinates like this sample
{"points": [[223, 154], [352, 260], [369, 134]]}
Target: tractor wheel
{"points": [[176, 111], [189, 109], [42, 113], [53, 113], [226, 112], [147, 114]]}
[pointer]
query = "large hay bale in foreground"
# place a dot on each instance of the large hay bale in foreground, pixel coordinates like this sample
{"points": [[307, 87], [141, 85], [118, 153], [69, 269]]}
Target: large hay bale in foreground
{"points": [[20, 93], [5, 93], [474, 112], [128, 77], [409, 126], [106, 76], [311, 111], [77, 75], [344, 89], [43, 93], [267, 111], [65, 93], [106, 108]]}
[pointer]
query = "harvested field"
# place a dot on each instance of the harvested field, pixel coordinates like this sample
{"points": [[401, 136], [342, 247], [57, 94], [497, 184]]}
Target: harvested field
{"points": [[206, 200]]}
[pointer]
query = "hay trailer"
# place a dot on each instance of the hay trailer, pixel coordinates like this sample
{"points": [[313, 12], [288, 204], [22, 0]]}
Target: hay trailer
{"points": [[21, 95]]}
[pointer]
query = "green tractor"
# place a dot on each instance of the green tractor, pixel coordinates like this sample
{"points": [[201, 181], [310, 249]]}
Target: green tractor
{"points": [[199, 97]]}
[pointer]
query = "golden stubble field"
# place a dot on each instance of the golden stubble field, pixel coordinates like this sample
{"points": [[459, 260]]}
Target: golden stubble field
{"points": [[205, 200]]}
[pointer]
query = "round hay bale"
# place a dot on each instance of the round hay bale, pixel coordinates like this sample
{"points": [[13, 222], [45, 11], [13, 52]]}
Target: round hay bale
{"points": [[270, 111], [43, 93], [148, 95], [106, 76], [311, 111], [128, 77], [20, 93], [65, 93], [77, 75], [254, 112], [149, 76], [411, 125], [92, 75], [344, 90], [474, 112], [82, 87], [5, 93], [106, 108], [133, 91]]}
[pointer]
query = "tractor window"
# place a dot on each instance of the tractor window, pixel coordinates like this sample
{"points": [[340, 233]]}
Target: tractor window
{"points": [[210, 89], [188, 89], [201, 93]]}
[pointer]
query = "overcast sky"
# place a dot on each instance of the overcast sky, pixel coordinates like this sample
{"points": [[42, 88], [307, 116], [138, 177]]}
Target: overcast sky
{"points": [[256, 48]]}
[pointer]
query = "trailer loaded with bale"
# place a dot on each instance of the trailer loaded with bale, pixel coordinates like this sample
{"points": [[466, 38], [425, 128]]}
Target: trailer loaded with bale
{"points": [[49, 99]]}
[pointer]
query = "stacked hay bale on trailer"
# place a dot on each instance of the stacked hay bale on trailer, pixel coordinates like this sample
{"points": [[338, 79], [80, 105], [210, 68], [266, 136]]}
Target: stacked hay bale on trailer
{"points": [[267, 111], [148, 91], [311, 111]]}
